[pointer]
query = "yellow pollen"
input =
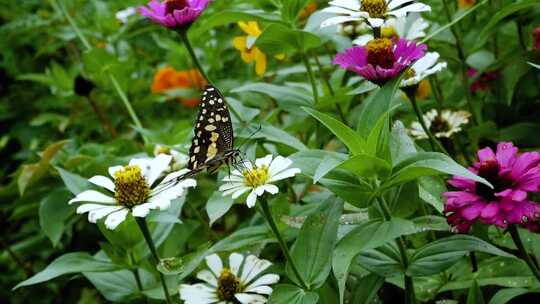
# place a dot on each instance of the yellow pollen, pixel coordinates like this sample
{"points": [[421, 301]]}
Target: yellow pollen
{"points": [[375, 8], [380, 53], [256, 177], [228, 286], [410, 73], [131, 188], [389, 32], [162, 150]]}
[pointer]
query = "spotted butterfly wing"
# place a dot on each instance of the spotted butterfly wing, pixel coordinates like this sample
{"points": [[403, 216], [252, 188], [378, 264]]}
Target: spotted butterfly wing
{"points": [[213, 132]]}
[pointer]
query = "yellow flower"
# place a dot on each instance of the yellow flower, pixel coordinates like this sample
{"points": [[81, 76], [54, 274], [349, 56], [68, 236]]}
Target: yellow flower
{"points": [[245, 44]]}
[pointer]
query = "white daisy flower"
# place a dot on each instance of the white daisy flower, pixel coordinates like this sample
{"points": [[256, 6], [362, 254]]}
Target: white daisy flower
{"points": [[444, 125], [240, 282], [259, 178], [179, 159], [123, 15], [411, 27], [373, 12], [132, 190], [422, 68]]}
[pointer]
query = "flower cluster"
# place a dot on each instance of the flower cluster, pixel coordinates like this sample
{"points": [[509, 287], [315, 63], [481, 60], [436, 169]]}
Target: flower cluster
{"points": [[513, 176]]}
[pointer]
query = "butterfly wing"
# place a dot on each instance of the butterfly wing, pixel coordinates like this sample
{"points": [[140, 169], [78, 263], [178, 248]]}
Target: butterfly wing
{"points": [[213, 129]]}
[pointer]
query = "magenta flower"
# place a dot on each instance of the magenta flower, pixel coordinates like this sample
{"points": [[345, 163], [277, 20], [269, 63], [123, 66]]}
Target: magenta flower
{"points": [[536, 36], [174, 14], [380, 59], [513, 176]]}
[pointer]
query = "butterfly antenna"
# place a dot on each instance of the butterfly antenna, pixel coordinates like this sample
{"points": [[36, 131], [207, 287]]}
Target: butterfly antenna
{"points": [[259, 128]]}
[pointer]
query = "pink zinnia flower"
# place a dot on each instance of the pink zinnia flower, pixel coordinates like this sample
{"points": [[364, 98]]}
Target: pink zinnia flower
{"points": [[174, 14], [536, 36], [380, 59], [513, 176], [484, 82]]}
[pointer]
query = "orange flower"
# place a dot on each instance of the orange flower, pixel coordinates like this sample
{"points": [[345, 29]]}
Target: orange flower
{"points": [[308, 10], [168, 78], [466, 3]]}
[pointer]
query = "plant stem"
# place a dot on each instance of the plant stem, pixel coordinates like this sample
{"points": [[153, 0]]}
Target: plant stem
{"points": [[524, 255], [326, 80], [268, 216], [410, 297], [463, 59], [432, 140], [521, 36], [311, 78], [104, 119], [148, 238], [127, 104], [189, 48], [136, 273]]}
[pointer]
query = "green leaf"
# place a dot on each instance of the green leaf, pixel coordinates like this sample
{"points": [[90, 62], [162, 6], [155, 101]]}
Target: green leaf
{"points": [[115, 286], [217, 206], [288, 98], [312, 251], [520, 134], [354, 142], [327, 164], [277, 38], [271, 133], [443, 253], [430, 190], [244, 237], [171, 266], [504, 296], [69, 263], [384, 261], [501, 15], [291, 8], [366, 289], [378, 142], [377, 105], [368, 235], [53, 212], [216, 19], [290, 294], [75, 183], [426, 164], [401, 144], [511, 75], [475, 295], [366, 166]]}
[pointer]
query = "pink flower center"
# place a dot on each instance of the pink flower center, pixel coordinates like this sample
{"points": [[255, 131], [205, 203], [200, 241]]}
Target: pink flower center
{"points": [[380, 53], [490, 171], [173, 5]]}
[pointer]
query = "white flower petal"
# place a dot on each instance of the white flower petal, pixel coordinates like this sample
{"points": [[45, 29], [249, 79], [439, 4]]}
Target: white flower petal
{"points": [[392, 4], [114, 219], [214, 263], [251, 199], [239, 192], [415, 7], [197, 294], [266, 279], [279, 164], [259, 190], [114, 169], [93, 196], [339, 20], [285, 174], [339, 10], [97, 214], [264, 161], [353, 5], [157, 166], [89, 207], [246, 298], [375, 22], [272, 189], [266, 290], [207, 276], [253, 266], [102, 181], [235, 261]]}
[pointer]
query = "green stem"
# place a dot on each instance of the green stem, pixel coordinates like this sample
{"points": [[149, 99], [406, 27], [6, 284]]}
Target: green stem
{"points": [[127, 104], [410, 297], [189, 48], [311, 78], [432, 140], [148, 238], [17, 259], [521, 36], [524, 255], [136, 273], [463, 59], [409, 285], [268, 216], [326, 81]]}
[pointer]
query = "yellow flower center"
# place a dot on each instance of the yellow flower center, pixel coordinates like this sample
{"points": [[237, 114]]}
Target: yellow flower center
{"points": [[256, 177], [380, 53], [130, 186], [410, 73], [389, 32], [375, 8], [228, 286], [172, 5], [162, 150]]}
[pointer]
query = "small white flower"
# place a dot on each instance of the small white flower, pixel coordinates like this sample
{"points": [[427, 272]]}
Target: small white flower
{"points": [[373, 12], [179, 159], [444, 125], [410, 27], [132, 190], [123, 15], [240, 282], [424, 67], [259, 178]]}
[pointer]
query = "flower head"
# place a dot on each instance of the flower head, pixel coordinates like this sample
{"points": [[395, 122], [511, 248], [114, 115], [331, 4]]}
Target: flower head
{"points": [[462, 4], [258, 178], [536, 37], [513, 176], [483, 82], [174, 14], [411, 27], [240, 282], [168, 79], [445, 124], [123, 15], [133, 189], [422, 68], [381, 59], [374, 12], [179, 159]]}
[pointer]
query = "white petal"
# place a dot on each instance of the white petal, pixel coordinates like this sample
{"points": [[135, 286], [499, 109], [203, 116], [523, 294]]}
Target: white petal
{"points": [[173, 175], [259, 190], [246, 298], [97, 214], [338, 10], [235, 261], [93, 196], [157, 165], [285, 174], [143, 209], [425, 62], [253, 266], [363, 39], [239, 192], [392, 4], [339, 20], [375, 22], [267, 290], [251, 199], [114, 219], [234, 190], [207, 276], [279, 164], [349, 4], [114, 169], [214, 263], [264, 161], [272, 189], [415, 7], [266, 279], [197, 294], [102, 181], [89, 207]]}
